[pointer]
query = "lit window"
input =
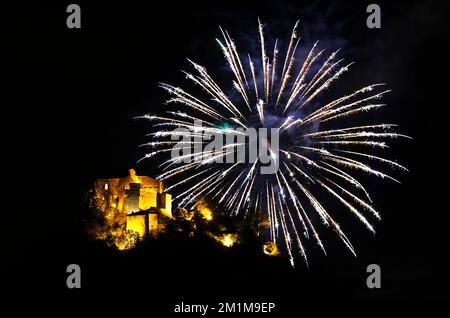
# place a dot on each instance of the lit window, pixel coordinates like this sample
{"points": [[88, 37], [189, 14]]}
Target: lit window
{"points": [[106, 186]]}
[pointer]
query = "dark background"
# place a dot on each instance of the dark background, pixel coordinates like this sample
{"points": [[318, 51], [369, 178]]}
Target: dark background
{"points": [[70, 121]]}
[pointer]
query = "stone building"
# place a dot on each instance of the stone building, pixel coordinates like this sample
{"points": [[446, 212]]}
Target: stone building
{"points": [[141, 199]]}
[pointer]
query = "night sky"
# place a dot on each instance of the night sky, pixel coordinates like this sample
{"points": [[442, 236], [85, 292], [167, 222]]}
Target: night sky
{"points": [[75, 93]]}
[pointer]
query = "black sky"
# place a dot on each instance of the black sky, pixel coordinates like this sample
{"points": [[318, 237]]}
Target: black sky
{"points": [[75, 93]]}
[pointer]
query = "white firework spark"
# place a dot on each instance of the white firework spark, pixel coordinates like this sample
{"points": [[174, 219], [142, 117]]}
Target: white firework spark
{"points": [[319, 150]]}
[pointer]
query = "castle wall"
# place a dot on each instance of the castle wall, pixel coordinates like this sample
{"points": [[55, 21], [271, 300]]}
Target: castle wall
{"points": [[148, 199], [166, 204], [132, 198], [137, 223], [153, 222]]}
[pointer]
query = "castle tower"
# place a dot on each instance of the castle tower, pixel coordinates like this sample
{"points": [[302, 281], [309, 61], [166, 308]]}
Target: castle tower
{"points": [[132, 198]]}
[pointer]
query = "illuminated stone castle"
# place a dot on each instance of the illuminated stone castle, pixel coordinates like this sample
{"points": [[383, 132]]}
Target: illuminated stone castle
{"points": [[141, 199]]}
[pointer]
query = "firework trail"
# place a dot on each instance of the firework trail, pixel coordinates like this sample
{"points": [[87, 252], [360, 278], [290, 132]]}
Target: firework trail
{"points": [[320, 153]]}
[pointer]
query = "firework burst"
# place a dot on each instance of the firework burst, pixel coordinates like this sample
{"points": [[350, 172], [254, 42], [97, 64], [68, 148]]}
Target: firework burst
{"points": [[321, 151]]}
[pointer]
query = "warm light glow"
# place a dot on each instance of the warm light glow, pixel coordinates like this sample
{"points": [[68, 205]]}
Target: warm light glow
{"points": [[271, 249], [206, 213], [227, 240]]}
